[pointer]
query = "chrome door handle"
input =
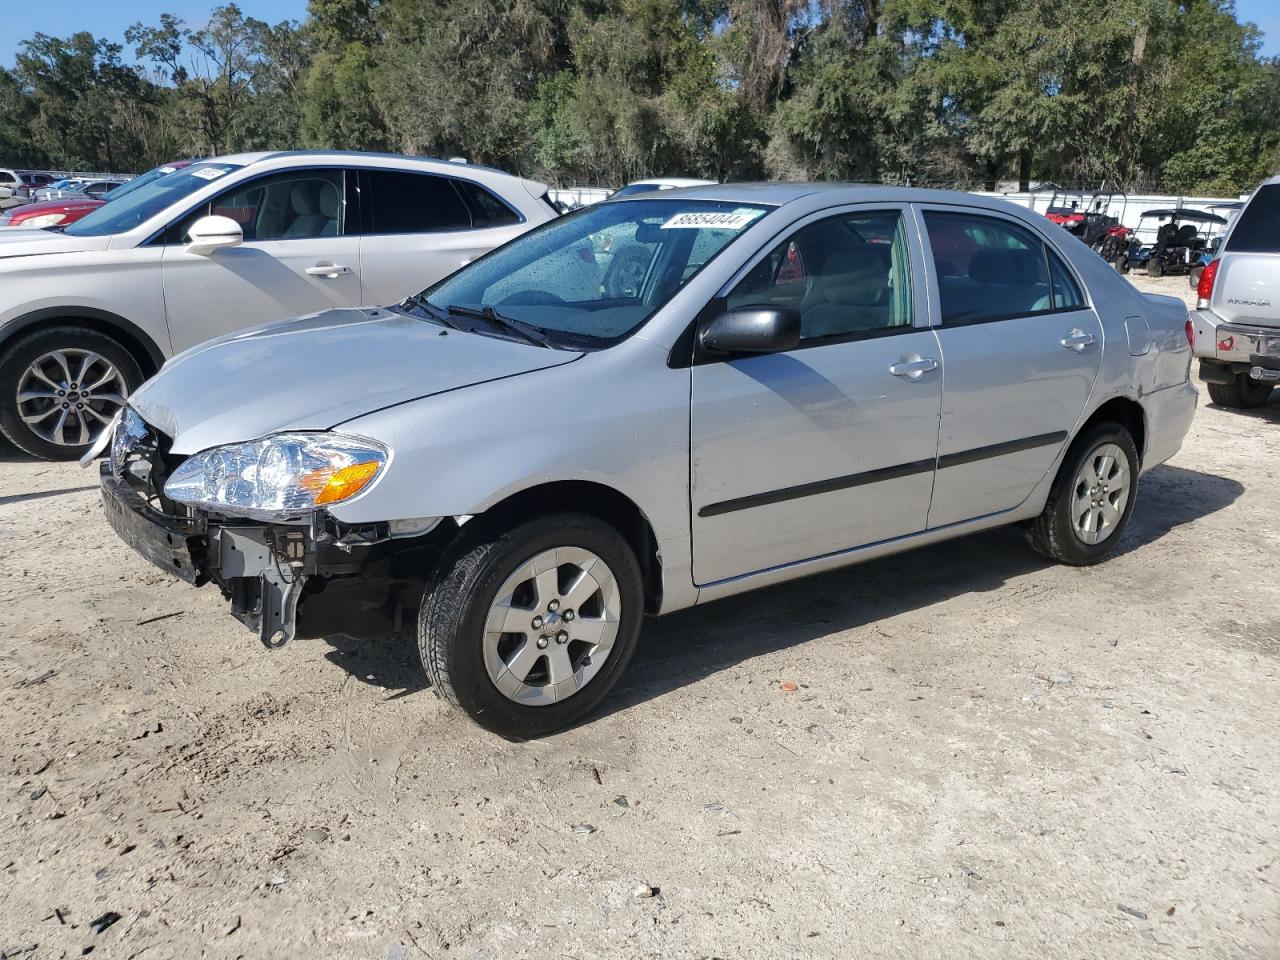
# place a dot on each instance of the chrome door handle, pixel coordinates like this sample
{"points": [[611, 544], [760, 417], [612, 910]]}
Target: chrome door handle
{"points": [[913, 366], [330, 271], [1076, 340]]}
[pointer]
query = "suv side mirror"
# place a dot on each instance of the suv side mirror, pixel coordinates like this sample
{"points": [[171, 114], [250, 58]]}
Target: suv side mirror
{"points": [[211, 233], [752, 330]]}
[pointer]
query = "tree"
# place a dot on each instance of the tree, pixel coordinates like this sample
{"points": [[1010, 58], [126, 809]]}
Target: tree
{"points": [[87, 110]]}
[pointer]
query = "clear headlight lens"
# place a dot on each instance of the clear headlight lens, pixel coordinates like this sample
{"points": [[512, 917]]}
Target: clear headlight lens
{"points": [[286, 475], [44, 220]]}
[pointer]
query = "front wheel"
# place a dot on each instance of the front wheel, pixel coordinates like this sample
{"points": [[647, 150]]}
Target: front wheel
{"points": [[60, 387], [1091, 499], [1155, 267], [1242, 393], [526, 631]]}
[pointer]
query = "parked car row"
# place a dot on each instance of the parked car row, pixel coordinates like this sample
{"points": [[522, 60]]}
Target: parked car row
{"points": [[397, 388]]}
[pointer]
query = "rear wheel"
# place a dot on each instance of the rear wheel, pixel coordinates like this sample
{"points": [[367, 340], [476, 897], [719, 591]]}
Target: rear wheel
{"points": [[526, 631], [1155, 267], [1091, 499], [60, 387], [1242, 393], [1194, 277], [1121, 263]]}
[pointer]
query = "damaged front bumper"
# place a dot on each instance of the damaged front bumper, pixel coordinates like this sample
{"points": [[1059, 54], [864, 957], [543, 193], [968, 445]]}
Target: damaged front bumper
{"points": [[267, 570]]}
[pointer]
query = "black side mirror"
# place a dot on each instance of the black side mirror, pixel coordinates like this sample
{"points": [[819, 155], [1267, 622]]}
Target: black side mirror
{"points": [[752, 330]]}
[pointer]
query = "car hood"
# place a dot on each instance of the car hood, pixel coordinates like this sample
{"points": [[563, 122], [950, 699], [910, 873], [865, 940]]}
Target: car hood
{"points": [[15, 242], [315, 372]]}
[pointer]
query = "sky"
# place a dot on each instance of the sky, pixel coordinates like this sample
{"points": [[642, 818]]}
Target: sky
{"points": [[112, 19]]}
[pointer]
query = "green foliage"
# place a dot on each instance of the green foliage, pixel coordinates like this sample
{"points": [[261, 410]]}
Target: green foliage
{"points": [[1141, 94]]}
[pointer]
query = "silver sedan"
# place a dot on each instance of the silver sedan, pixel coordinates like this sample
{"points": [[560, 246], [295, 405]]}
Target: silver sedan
{"points": [[532, 454]]}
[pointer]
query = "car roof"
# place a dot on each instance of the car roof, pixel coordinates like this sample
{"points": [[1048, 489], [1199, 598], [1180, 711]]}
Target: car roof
{"points": [[671, 182], [778, 194], [245, 159]]}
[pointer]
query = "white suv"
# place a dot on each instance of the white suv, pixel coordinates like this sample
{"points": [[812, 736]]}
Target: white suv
{"points": [[89, 311]]}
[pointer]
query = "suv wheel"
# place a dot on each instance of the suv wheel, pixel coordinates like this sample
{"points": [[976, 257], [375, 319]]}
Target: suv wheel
{"points": [[1091, 499], [1242, 393], [60, 387], [527, 630]]}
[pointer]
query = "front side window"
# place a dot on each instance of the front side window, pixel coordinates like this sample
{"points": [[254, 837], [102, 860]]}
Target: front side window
{"points": [[298, 205], [991, 269], [847, 276], [592, 277], [142, 204]]}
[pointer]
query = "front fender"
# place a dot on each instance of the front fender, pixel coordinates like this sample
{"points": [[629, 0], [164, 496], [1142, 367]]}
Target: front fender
{"points": [[619, 418]]}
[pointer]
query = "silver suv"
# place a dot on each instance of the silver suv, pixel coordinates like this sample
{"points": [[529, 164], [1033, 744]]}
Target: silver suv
{"points": [[525, 459], [1237, 318]]}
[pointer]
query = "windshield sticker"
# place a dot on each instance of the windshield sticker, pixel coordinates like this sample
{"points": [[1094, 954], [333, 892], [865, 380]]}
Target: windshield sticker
{"points": [[209, 173], [711, 221]]}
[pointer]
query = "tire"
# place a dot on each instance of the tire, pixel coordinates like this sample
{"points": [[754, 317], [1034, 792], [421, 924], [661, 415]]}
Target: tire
{"points": [[461, 655], [112, 368], [1194, 277], [1056, 533], [1121, 263], [1242, 393], [1155, 267]]}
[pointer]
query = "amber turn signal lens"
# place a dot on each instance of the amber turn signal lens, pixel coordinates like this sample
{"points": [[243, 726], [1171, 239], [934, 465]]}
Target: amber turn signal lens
{"points": [[334, 486]]}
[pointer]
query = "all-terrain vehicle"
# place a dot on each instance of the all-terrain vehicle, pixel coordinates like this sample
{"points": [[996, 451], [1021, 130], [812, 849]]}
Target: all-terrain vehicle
{"points": [[1090, 217]]}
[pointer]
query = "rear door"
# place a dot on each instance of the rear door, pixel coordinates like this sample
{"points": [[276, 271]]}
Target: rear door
{"points": [[1020, 355], [1247, 289], [420, 227], [297, 257]]}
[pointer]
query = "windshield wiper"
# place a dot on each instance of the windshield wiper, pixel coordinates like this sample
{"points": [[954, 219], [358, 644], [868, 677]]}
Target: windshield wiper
{"points": [[528, 331], [430, 309]]}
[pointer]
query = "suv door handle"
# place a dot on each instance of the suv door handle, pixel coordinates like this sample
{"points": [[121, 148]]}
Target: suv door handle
{"points": [[1076, 340], [330, 271], [913, 366]]}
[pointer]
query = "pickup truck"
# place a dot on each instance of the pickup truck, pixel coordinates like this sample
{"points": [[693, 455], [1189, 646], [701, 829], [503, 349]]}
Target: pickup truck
{"points": [[1236, 322]]}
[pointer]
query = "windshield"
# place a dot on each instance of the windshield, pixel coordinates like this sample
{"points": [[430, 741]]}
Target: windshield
{"points": [[140, 181], [590, 278], [139, 205]]}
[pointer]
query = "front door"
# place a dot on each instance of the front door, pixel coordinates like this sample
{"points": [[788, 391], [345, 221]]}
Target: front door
{"points": [[830, 445], [1022, 349], [295, 259]]}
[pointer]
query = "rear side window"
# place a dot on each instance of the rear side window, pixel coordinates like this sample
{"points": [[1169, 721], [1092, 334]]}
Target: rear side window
{"points": [[1066, 292], [486, 209], [1258, 230], [990, 269], [413, 203]]}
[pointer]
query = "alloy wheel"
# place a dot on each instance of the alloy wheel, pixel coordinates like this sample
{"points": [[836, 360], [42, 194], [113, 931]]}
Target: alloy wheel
{"points": [[551, 626], [66, 396], [1100, 493]]}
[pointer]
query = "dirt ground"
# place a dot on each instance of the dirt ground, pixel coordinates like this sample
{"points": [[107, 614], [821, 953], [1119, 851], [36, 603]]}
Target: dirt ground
{"points": [[987, 756]]}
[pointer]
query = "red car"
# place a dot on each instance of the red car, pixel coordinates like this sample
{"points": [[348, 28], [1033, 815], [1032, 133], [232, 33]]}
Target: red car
{"points": [[59, 213]]}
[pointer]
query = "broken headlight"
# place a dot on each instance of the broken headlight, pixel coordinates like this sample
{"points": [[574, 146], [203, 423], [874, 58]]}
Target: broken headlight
{"points": [[279, 477]]}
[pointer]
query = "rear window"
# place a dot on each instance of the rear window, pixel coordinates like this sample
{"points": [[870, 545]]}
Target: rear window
{"points": [[1258, 230]]}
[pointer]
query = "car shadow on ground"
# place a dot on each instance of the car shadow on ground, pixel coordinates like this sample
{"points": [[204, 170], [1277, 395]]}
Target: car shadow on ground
{"points": [[685, 647], [1269, 412]]}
